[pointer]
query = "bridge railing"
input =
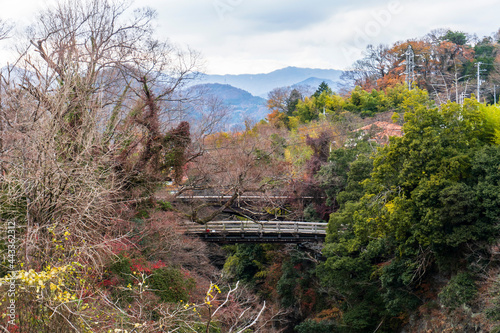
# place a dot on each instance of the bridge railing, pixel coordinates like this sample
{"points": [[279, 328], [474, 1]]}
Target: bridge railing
{"points": [[274, 227]]}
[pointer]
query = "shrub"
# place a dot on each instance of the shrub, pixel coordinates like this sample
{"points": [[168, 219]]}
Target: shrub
{"points": [[312, 326], [460, 290], [171, 285]]}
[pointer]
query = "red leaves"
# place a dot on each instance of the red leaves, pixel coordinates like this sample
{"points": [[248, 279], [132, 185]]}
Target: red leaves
{"points": [[147, 267]]}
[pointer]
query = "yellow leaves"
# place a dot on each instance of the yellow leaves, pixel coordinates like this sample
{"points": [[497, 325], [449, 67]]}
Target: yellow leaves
{"points": [[395, 117], [491, 115], [390, 207]]}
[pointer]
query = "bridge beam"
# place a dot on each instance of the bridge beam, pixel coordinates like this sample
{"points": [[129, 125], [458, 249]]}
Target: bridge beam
{"points": [[259, 238]]}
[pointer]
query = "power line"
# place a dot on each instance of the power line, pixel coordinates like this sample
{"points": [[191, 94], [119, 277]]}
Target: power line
{"points": [[410, 66]]}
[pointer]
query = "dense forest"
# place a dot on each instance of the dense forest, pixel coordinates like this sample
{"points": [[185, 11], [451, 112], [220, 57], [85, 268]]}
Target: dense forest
{"points": [[101, 137]]}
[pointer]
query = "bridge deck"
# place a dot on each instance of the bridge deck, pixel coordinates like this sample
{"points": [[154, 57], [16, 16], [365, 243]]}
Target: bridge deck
{"points": [[259, 232]]}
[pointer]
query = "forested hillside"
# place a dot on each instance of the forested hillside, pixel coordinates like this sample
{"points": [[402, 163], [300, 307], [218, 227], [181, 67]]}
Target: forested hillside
{"points": [[446, 63], [103, 168]]}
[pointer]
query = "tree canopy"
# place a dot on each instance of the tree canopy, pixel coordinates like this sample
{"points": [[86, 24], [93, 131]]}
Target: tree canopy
{"points": [[431, 195]]}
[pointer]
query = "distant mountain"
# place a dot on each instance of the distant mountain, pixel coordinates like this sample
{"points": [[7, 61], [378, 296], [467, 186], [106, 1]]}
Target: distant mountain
{"points": [[246, 94], [314, 83], [232, 95], [261, 84], [243, 105]]}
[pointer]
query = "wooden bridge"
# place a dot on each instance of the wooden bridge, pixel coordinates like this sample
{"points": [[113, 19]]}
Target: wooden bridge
{"points": [[259, 232]]}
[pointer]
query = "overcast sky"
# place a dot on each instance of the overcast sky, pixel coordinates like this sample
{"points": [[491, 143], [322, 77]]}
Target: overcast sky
{"points": [[258, 36]]}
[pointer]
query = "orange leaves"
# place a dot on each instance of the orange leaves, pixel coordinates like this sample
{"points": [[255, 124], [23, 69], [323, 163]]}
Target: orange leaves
{"points": [[275, 117], [436, 60]]}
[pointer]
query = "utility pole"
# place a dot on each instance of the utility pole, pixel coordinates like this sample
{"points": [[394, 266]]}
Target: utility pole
{"points": [[478, 79], [495, 94], [461, 98], [410, 66]]}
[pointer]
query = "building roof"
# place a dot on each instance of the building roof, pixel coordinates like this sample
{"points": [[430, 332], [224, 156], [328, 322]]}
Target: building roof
{"points": [[380, 131]]}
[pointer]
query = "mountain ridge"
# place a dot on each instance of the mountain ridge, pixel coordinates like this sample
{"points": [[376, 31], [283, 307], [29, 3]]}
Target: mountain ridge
{"points": [[263, 83]]}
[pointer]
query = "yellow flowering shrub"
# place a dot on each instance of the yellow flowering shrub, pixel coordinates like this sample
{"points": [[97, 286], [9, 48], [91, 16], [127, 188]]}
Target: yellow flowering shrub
{"points": [[48, 284], [43, 298]]}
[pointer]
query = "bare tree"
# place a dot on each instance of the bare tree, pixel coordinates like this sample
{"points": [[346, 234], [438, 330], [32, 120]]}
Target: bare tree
{"points": [[5, 29], [376, 63], [90, 114], [234, 168]]}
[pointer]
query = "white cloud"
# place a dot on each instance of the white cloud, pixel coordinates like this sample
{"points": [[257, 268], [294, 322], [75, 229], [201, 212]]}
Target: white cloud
{"points": [[254, 36]]}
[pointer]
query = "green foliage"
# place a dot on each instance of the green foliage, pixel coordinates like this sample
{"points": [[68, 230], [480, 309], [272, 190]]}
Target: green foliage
{"points": [[172, 153], [312, 326], [430, 194], [231, 264], [427, 178], [396, 279], [262, 156], [278, 145], [121, 268], [296, 286], [367, 104], [292, 101], [121, 273], [485, 52], [359, 102], [350, 272], [246, 262], [307, 110], [311, 215], [493, 312], [456, 37], [165, 205], [491, 115], [461, 289], [348, 166], [171, 285], [323, 87]]}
